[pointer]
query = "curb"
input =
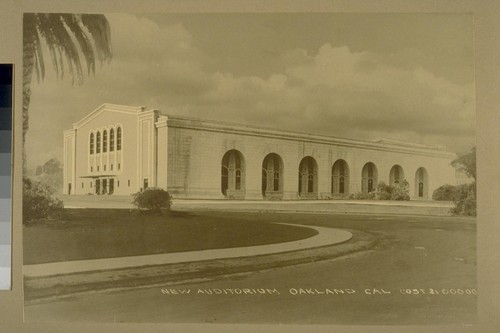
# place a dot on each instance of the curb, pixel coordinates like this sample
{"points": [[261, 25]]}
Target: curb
{"points": [[39, 289]]}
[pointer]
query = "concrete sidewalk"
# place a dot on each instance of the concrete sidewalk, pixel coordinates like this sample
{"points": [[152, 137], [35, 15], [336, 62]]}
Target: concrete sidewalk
{"points": [[413, 207], [325, 237]]}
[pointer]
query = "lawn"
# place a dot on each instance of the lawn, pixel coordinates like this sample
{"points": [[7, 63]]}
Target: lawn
{"points": [[106, 233]]}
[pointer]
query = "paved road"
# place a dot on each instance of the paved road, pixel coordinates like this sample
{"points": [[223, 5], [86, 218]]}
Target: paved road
{"points": [[414, 253]]}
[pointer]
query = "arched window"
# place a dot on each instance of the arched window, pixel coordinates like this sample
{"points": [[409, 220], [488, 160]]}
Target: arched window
{"points": [[369, 178], [308, 178], [111, 140], [104, 141], [272, 174], [119, 138], [98, 143], [238, 180], [396, 175], [224, 179], [340, 178], [233, 175], [421, 183], [91, 143]]}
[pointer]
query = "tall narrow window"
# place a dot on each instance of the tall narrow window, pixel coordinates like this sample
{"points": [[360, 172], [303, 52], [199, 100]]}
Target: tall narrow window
{"points": [[277, 172], [238, 180], [104, 141], [224, 179], [310, 176], [310, 183], [111, 140], [91, 143], [111, 186], [119, 138], [276, 180], [264, 181], [98, 143], [421, 183]]}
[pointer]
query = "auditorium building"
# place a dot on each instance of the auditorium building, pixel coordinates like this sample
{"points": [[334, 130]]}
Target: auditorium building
{"points": [[119, 150]]}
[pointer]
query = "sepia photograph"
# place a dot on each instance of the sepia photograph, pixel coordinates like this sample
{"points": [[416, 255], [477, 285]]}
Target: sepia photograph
{"points": [[249, 168]]}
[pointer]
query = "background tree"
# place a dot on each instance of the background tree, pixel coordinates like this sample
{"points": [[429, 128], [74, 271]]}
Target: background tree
{"points": [[465, 195], [467, 163], [68, 38], [50, 174]]}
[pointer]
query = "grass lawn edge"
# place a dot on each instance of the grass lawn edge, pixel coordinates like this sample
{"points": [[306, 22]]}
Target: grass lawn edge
{"points": [[41, 289]]}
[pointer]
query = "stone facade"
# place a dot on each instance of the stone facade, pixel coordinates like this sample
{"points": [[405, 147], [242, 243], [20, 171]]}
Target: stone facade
{"points": [[194, 158]]}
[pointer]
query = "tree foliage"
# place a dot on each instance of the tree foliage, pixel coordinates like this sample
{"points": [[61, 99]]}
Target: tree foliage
{"points": [[465, 195], [465, 200], [38, 202], [50, 174], [466, 163], [445, 193]]}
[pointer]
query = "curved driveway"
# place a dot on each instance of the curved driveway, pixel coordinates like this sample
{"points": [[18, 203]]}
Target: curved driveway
{"points": [[325, 236]]}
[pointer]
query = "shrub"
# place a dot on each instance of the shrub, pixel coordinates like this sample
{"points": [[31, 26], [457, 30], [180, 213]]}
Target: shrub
{"points": [[386, 192], [153, 200], [382, 191], [38, 202], [445, 193], [465, 200], [401, 191], [362, 196]]}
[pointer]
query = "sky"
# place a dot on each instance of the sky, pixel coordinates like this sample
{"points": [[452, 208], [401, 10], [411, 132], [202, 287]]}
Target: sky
{"points": [[407, 77]]}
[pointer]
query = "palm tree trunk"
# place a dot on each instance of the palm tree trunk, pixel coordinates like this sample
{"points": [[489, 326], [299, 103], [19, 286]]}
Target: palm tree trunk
{"points": [[29, 48], [28, 66]]}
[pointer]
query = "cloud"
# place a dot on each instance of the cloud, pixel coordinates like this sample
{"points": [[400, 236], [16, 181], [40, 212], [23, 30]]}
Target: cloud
{"points": [[331, 90], [340, 92]]}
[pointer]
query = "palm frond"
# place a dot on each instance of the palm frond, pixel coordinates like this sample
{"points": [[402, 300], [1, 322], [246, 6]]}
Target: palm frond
{"points": [[39, 61], [73, 23], [72, 37], [98, 28], [67, 37]]}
